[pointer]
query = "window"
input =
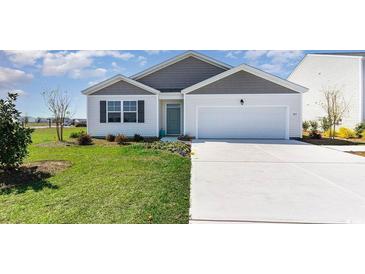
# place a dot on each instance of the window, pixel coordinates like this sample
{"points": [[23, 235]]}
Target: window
{"points": [[129, 111], [114, 112]]}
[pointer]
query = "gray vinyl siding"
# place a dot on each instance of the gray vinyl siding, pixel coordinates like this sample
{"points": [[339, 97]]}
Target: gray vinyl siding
{"points": [[242, 83], [180, 75], [122, 88]]}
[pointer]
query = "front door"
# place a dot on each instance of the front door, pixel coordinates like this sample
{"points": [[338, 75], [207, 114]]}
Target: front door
{"points": [[173, 119]]}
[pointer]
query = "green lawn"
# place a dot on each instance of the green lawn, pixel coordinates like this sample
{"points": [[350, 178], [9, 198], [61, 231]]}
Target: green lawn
{"points": [[105, 184]]}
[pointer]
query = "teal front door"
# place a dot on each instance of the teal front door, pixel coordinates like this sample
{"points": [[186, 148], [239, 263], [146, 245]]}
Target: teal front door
{"points": [[173, 119]]}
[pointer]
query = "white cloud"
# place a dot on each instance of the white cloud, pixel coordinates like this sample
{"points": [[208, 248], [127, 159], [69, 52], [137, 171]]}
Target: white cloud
{"points": [[73, 63], [279, 62], [284, 56], [88, 73], [233, 54], [10, 78], [24, 57], [254, 54], [117, 68], [142, 60]]}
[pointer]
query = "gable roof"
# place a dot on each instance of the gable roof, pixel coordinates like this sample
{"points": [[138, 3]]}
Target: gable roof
{"points": [[249, 69], [179, 58], [115, 79]]}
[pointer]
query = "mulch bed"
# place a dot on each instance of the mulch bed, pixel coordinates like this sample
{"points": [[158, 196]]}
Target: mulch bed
{"points": [[328, 141], [31, 174], [360, 153]]}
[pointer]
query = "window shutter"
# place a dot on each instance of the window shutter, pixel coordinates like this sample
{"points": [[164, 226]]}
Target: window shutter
{"points": [[102, 111], [140, 111]]}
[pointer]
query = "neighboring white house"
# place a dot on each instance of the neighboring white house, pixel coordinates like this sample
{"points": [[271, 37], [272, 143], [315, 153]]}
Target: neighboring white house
{"points": [[344, 71], [196, 95]]}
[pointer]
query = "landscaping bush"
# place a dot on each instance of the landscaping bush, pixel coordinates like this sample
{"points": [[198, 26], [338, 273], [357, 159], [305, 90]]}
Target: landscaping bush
{"points": [[138, 138], [151, 139], [184, 138], [313, 130], [14, 137], [359, 130], [306, 125], [346, 133], [75, 135], [121, 139], [110, 138], [80, 125], [84, 139], [325, 124], [180, 148]]}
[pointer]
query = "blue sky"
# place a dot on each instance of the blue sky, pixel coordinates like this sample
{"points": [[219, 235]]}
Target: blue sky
{"points": [[31, 72]]}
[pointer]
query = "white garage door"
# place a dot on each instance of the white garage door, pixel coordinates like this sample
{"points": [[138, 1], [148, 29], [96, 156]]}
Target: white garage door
{"points": [[269, 122]]}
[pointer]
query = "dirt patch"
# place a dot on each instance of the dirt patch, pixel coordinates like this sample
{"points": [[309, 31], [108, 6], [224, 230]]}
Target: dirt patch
{"points": [[31, 175], [57, 144]]}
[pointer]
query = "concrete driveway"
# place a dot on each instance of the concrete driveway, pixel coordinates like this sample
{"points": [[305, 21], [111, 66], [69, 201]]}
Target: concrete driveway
{"points": [[275, 181]]}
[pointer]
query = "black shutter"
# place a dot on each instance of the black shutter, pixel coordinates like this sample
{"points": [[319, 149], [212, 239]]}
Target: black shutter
{"points": [[140, 111], [102, 111]]}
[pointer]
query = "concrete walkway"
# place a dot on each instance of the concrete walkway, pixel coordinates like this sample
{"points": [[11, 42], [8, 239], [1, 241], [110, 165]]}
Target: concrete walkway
{"points": [[236, 181]]}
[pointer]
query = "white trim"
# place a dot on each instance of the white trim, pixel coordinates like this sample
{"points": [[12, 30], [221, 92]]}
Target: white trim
{"points": [[299, 64], [116, 79], [136, 111], [171, 96], [287, 120], [335, 55], [158, 116], [177, 59], [107, 111], [124, 96], [257, 72], [181, 118], [184, 114], [361, 90]]}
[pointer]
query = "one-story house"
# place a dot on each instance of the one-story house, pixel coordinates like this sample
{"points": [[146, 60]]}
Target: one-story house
{"points": [[195, 95]]}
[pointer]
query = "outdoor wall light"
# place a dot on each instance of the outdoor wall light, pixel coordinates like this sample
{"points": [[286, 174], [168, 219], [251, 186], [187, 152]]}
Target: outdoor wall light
{"points": [[242, 102]]}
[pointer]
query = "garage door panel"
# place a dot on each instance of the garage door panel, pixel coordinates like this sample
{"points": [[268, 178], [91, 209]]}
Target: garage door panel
{"points": [[242, 122]]}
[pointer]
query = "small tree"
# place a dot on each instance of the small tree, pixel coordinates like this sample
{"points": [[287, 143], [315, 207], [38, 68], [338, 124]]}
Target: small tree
{"points": [[58, 102], [305, 125], [14, 136], [335, 106]]}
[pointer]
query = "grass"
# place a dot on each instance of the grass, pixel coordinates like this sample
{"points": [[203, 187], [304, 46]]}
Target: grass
{"points": [[105, 184]]}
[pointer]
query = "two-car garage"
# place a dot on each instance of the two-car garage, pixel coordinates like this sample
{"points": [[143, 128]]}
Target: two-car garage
{"points": [[243, 122], [243, 103]]}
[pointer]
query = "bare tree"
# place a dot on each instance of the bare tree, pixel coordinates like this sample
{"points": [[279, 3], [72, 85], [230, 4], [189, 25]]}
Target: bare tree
{"points": [[58, 103], [335, 106]]}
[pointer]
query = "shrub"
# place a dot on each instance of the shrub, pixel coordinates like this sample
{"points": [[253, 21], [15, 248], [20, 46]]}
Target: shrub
{"points": [[184, 138], [84, 139], [325, 124], [313, 131], [121, 139], [110, 138], [14, 137], [305, 125], [77, 134], [138, 138], [151, 139], [80, 125], [180, 148], [359, 130], [346, 133]]}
